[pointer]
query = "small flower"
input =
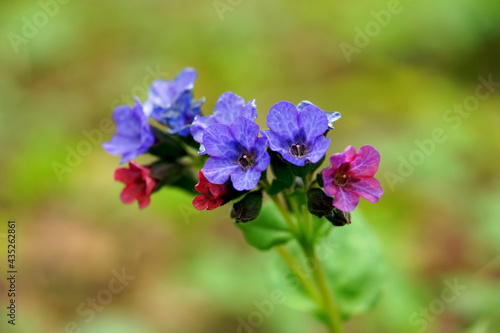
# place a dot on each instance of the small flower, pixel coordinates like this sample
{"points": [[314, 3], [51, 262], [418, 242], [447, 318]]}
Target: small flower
{"points": [[171, 102], [138, 184], [235, 152], [351, 176], [229, 106], [133, 135], [332, 116], [297, 136], [211, 194]]}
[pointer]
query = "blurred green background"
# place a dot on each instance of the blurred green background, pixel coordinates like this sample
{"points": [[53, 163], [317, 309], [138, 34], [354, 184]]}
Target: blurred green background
{"points": [[193, 271]]}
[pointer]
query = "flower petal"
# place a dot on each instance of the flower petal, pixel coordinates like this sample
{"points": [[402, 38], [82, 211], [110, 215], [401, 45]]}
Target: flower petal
{"points": [[262, 158], [228, 108], [282, 120], [303, 104], [276, 143], [332, 118], [200, 202], [249, 111], [185, 79], [328, 185], [214, 203], [345, 200], [369, 188], [219, 142], [131, 192], [217, 170], [313, 122], [292, 159], [245, 132], [127, 176], [245, 180], [200, 124], [319, 149], [133, 135], [347, 156], [366, 162]]}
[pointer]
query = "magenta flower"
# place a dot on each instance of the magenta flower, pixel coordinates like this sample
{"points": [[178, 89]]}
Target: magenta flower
{"points": [[351, 177], [210, 194], [138, 184]]}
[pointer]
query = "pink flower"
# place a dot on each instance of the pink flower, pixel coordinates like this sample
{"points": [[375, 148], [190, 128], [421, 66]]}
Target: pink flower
{"points": [[351, 177], [211, 194], [138, 184]]}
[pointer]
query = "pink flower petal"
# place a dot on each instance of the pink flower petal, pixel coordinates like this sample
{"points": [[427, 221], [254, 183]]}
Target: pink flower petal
{"points": [[345, 200], [200, 202], [330, 188], [345, 157], [366, 162], [214, 203], [131, 192], [144, 200], [369, 188], [127, 176]]}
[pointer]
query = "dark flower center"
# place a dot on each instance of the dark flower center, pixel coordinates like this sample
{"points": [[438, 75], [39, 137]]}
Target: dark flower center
{"points": [[298, 150], [246, 161], [342, 175]]}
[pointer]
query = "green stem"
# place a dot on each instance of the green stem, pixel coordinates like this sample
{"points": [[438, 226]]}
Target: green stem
{"points": [[286, 214], [307, 216], [335, 324], [295, 268]]}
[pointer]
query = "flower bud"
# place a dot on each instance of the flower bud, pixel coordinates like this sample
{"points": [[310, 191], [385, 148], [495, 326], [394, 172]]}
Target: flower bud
{"points": [[318, 203], [339, 218], [248, 208]]}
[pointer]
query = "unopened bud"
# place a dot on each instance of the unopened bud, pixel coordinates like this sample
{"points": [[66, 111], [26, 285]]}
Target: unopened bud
{"points": [[318, 203], [248, 208]]}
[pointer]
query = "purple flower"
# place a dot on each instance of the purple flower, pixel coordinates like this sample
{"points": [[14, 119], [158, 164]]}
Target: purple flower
{"points": [[351, 176], [229, 106], [133, 135], [235, 152], [332, 116], [297, 136], [171, 102]]}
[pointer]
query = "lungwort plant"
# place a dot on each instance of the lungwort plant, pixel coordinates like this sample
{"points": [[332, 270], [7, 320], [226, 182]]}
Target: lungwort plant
{"points": [[226, 158]]}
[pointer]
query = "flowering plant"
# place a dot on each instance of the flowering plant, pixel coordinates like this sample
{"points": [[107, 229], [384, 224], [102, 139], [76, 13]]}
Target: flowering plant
{"points": [[225, 158]]}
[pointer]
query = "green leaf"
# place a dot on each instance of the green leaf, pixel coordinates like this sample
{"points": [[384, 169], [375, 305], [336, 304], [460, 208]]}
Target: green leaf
{"points": [[267, 230], [351, 258]]}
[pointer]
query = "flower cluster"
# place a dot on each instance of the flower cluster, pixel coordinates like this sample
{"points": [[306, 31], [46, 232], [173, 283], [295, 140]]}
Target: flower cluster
{"points": [[229, 156]]}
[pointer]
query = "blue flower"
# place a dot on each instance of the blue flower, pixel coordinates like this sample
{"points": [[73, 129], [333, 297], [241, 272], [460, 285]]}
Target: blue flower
{"points": [[235, 152], [297, 136], [332, 116], [171, 102], [229, 106], [133, 135]]}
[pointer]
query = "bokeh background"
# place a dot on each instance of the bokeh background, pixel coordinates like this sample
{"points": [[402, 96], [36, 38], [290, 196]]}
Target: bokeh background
{"points": [[193, 271]]}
